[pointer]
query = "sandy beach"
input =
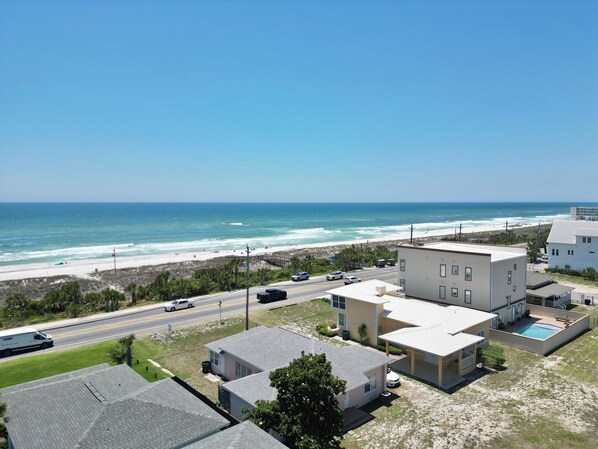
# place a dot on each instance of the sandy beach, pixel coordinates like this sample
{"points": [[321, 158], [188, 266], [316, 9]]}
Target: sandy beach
{"points": [[86, 267]]}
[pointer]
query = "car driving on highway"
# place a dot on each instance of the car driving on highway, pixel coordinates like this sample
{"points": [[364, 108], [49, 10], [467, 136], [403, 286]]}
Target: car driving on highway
{"points": [[271, 294], [302, 276], [334, 276], [352, 280], [178, 305]]}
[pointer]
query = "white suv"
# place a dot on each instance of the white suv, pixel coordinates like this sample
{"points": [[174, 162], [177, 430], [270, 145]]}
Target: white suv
{"points": [[334, 275], [178, 305], [351, 280], [303, 276]]}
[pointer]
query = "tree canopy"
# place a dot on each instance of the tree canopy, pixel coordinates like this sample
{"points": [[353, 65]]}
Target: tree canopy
{"points": [[306, 411]]}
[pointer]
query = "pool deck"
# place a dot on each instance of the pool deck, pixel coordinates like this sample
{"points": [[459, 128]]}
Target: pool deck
{"points": [[536, 319]]}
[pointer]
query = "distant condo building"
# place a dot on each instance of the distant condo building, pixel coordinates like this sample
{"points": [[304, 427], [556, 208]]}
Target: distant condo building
{"points": [[586, 213]]}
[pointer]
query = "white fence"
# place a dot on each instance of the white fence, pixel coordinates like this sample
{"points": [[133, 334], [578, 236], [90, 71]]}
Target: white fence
{"points": [[581, 298]]}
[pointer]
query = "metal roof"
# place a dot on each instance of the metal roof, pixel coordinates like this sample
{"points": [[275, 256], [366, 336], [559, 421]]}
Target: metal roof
{"points": [[549, 290], [430, 339], [565, 231]]}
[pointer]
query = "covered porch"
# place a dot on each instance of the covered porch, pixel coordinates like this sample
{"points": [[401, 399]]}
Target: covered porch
{"points": [[434, 356]]}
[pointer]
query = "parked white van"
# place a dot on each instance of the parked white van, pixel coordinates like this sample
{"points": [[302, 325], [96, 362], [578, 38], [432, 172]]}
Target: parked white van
{"points": [[23, 338]]}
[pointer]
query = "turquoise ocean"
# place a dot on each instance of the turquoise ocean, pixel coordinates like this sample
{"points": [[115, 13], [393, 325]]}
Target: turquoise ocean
{"points": [[41, 232]]}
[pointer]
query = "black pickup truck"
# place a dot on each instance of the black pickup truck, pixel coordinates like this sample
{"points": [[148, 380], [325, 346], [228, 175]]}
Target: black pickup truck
{"points": [[271, 294]]}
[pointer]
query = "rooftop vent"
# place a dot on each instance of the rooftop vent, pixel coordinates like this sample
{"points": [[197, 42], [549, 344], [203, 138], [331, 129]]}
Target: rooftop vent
{"points": [[381, 290]]}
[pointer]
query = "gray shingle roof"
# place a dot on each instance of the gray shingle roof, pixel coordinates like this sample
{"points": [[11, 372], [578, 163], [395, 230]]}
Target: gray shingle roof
{"points": [[535, 280], [105, 407], [348, 363], [267, 348], [243, 436], [252, 388]]}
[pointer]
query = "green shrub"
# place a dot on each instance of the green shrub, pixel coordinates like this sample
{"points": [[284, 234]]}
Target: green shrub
{"points": [[493, 356], [391, 349], [3, 431], [322, 329]]}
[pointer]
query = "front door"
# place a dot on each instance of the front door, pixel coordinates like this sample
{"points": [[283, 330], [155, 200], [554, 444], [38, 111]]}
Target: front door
{"points": [[346, 403]]}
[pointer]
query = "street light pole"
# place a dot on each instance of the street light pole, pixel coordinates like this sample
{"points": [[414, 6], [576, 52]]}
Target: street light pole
{"points": [[220, 307], [247, 285]]}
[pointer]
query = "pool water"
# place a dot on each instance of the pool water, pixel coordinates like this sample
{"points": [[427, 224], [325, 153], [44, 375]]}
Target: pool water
{"points": [[541, 331]]}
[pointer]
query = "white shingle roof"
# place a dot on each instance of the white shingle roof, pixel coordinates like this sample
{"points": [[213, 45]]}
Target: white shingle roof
{"points": [[564, 231]]}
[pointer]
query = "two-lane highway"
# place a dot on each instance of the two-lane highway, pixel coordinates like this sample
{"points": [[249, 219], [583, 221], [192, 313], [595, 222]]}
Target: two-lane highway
{"points": [[117, 324]]}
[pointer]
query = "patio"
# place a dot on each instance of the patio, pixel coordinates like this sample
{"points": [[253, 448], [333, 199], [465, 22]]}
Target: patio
{"points": [[428, 372]]}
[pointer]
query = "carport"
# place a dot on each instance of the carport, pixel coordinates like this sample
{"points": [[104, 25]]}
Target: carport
{"points": [[434, 355]]}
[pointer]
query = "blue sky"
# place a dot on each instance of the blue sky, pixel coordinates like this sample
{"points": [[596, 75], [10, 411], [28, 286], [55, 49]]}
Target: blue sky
{"points": [[298, 101]]}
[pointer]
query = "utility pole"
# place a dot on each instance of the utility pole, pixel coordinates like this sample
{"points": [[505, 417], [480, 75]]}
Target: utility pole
{"points": [[411, 236], [220, 307], [114, 257], [506, 230], [460, 231], [247, 282]]}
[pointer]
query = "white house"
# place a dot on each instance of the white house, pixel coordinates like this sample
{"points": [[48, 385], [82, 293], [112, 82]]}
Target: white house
{"points": [[482, 277], [573, 244]]}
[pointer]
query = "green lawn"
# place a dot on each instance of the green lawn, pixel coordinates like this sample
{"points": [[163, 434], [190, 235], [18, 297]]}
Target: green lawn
{"points": [[39, 366], [568, 278]]}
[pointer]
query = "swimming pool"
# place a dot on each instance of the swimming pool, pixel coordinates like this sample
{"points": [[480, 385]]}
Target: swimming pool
{"points": [[541, 331]]}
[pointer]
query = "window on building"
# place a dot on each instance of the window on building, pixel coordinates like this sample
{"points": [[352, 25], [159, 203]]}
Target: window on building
{"points": [[338, 302], [214, 358], [509, 277], [402, 264], [442, 270], [589, 239], [482, 334], [242, 371], [454, 292], [342, 320], [572, 252], [557, 251], [402, 284], [442, 292], [455, 270], [514, 266], [509, 302], [553, 251], [583, 240], [371, 385], [468, 273], [467, 296]]}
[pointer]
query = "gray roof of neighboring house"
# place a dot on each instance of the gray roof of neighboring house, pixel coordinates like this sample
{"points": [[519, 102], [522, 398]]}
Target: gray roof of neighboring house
{"points": [[267, 348], [348, 363], [535, 280], [549, 290], [251, 388], [105, 407], [242, 436], [564, 231]]}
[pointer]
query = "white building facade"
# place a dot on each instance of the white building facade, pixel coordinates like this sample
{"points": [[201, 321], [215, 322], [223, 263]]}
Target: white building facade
{"points": [[481, 277], [573, 244]]}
